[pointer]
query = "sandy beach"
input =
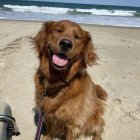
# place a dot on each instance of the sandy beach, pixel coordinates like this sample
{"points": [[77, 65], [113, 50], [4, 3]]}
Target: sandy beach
{"points": [[118, 71]]}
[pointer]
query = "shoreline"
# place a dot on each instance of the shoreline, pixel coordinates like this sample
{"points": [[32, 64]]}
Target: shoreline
{"points": [[90, 24]]}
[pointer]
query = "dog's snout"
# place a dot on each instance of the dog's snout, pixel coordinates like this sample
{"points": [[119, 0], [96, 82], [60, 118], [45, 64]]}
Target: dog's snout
{"points": [[65, 44]]}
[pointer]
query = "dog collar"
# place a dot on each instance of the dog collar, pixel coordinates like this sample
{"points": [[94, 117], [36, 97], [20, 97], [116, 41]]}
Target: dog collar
{"points": [[53, 91]]}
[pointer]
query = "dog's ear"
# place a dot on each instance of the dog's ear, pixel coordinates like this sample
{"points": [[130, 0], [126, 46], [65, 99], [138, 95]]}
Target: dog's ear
{"points": [[90, 56], [41, 38]]}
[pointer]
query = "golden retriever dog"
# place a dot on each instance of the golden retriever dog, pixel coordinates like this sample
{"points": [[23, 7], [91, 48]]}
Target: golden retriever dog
{"points": [[71, 103]]}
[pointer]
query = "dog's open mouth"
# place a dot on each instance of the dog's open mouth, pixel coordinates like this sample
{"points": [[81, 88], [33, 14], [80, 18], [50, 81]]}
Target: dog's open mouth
{"points": [[60, 59]]}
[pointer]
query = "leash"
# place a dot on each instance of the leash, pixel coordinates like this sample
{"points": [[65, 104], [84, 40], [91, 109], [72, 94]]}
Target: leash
{"points": [[39, 126], [47, 92], [50, 92]]}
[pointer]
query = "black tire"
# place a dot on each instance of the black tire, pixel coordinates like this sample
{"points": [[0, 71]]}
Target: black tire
{"points": [[4, 110]]}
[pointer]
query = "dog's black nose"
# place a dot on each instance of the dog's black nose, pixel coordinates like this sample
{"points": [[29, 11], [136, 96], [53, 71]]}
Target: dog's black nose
{"points": [[65, 44]]}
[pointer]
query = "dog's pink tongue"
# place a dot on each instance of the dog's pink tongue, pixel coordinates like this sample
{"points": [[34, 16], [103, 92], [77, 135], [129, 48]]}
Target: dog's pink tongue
{"points": [[59, 61]]}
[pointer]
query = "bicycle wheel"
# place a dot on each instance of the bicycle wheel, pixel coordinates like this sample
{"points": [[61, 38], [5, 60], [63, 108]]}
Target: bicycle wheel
{"points": [[4, 110]]}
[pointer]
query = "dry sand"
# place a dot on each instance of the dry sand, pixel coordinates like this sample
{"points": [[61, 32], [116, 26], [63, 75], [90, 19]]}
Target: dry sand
{"points": [[118, 71]]}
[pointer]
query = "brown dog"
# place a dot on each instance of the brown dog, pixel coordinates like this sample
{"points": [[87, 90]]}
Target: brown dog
{"points": [[72, 104]]}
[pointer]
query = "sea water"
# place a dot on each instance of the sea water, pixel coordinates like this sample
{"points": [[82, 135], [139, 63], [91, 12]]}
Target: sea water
{"points": [[80, 13]]}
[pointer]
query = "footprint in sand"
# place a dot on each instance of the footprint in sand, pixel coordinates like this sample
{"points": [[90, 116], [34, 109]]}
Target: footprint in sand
{"points": [[116, 107], [104, 76], [15, 42], [117, 101], [135, 115]]}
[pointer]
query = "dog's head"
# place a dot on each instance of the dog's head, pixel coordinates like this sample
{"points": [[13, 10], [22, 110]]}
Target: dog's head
{"points": [[63, 45]]}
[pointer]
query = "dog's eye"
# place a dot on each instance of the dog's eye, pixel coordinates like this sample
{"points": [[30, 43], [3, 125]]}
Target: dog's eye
{"points": [[77, 36], [58, 30]]}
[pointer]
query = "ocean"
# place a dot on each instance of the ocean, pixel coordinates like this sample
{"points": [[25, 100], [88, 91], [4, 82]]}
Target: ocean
{"points": [[80, 13]]}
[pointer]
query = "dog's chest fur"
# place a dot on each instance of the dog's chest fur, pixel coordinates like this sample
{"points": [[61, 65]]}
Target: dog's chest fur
{"points": [[72, 107]]}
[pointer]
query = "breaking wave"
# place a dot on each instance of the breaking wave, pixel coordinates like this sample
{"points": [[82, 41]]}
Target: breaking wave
{"points": [[60, 10]]}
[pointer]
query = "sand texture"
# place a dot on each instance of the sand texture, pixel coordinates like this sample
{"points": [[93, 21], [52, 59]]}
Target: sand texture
{"points": [[118, 71]]}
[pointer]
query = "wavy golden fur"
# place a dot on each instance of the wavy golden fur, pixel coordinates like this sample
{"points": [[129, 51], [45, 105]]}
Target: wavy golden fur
{"points": [[75, 105]]}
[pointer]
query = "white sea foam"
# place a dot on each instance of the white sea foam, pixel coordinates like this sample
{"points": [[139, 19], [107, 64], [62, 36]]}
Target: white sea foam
{"points": [[58, 10], [37, 9], [89, 16], [107, 12]]}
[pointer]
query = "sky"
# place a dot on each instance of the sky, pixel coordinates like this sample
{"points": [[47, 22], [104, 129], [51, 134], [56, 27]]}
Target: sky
{"points": [[104, 2]]}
